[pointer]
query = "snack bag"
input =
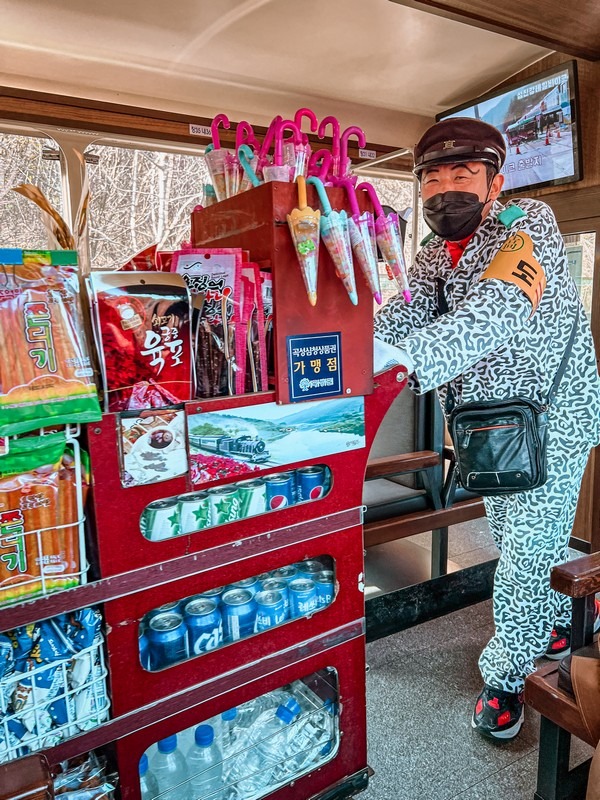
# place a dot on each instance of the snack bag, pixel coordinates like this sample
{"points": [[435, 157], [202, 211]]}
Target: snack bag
{"points": [[251, 347], [142, 327], [45, 373], [213, 276], [267, 298], [38, 492]]}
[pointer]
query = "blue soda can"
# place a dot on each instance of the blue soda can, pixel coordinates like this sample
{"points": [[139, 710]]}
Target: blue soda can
{"points": [[270, 610], [286, 574], [213, 594], [239, 613], [144, 647], [278, 585], [250, 584], [308, 568], [264, 576], [303, 597], [311, 483], [324, 583], [204, 625], [174, 607], [168, 640], [280, 490]]}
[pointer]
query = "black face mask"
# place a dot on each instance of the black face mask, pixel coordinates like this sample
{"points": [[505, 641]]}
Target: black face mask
{"points": [[453, 215]]}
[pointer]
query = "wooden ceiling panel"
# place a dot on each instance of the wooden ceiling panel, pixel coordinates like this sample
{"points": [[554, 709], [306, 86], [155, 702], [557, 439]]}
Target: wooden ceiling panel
{"points": [[543, 22]]}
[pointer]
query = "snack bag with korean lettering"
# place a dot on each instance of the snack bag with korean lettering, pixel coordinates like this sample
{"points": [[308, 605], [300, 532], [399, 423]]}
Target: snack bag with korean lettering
{"points": [[214, 274], [46, 376], [142, 323], [266, 282], [252, 332]]}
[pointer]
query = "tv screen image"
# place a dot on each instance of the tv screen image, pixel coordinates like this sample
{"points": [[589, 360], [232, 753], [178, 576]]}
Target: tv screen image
{"points": [[538, 121]]}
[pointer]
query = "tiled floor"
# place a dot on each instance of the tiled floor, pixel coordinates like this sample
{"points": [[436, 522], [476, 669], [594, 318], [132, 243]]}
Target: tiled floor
{"points": [[421, 687]]}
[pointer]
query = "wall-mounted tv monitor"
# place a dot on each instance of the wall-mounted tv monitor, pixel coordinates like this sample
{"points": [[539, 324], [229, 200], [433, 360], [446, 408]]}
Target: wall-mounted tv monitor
{"points": [[540, 123]]}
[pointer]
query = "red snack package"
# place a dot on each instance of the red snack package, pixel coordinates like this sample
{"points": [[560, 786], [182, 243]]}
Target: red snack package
{"points": [[143, 261], [267, 298], [142, 327]]}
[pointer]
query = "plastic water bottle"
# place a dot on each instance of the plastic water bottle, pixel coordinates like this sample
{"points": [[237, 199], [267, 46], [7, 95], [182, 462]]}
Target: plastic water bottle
{"points": [[170, 771], [228, 725], [205, 766], [148, 784], [262, 765]]}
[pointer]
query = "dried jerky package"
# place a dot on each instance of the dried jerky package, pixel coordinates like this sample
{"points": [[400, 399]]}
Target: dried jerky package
{"points": [[46, 375], [267, 298], [213, 274], [143, 332], [251, 341]]}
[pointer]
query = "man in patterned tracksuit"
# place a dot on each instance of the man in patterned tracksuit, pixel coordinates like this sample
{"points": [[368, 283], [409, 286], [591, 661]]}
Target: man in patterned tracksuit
{"points": [[504, 336]]}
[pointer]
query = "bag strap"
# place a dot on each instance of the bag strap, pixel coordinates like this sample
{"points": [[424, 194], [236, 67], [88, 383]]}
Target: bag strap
{"points": [[442, 307], [563, 364]]}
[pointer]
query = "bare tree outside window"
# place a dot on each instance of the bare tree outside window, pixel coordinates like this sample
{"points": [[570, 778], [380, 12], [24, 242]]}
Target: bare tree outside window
{"points": [[138, 198], [22, 161]]}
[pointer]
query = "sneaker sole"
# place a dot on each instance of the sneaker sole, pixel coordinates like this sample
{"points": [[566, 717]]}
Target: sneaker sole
{"points": [[508, 733]]}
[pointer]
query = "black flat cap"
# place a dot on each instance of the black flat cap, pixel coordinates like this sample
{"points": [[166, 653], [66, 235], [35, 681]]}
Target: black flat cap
{"points": [[459, 139]]}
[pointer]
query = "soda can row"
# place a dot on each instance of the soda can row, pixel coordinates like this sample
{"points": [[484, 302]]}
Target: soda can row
{"points": [[164, 519], [205, 622]]}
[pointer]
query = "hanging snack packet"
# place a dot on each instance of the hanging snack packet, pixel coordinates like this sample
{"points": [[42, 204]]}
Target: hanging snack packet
{"points": [[45, 373], [38, 492], [267, 298], [251, 347], [142, 326], [214, 274]]}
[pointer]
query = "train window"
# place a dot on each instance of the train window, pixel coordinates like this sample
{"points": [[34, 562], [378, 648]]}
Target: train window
{"points": [[580, 253], [140, 197], [256, 747], [27, 159], [203, 622], [197, 511]]}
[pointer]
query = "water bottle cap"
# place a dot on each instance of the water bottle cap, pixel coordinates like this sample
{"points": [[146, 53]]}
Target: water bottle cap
{"points": [[143, 765], [287, 712], [168, 745], [204, 735], [230, 714]]}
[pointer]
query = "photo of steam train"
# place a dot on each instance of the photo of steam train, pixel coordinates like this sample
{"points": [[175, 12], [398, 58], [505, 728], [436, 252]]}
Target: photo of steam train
{"points": [[246, 448]]}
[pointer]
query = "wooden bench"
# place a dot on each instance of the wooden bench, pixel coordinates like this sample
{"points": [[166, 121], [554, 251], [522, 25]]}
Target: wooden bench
{"points": [[579, 579]]}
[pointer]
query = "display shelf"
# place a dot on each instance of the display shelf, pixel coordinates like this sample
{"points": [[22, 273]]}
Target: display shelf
{"points": [[121, 546], [348, 661], [123, 616], [167, 710], [256, 221], [127, 583]]}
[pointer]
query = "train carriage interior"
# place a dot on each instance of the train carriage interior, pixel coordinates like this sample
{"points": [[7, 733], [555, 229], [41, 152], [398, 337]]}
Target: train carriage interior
{"points": [[119, 98]]}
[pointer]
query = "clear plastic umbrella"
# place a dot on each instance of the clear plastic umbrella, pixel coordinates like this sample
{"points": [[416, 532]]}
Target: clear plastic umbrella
{"points": [[362, 238], [304, 227]]}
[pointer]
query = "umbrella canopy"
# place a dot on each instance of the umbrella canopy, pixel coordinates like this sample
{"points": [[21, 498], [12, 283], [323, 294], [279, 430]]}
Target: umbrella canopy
{"points": [[362, 239], [303, 223]]}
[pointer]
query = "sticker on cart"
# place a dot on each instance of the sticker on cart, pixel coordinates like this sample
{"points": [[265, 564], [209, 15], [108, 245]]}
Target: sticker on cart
{"points": [[314, 366], [152, 446], [239, 441]]}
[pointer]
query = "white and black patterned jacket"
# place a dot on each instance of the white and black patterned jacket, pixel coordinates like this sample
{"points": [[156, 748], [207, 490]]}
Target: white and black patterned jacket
{"points": [[490, 346]]}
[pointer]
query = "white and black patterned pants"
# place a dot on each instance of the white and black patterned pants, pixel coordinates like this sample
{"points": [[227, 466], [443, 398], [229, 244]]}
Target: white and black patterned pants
{"points": [[532, 531]]}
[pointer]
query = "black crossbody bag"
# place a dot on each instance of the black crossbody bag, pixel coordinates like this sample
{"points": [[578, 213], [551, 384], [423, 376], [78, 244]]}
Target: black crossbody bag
{"points": [[500, 445]]}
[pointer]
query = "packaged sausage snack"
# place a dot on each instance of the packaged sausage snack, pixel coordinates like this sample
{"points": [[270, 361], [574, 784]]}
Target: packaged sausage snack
{"points": [[45, 373], [39, 526]]}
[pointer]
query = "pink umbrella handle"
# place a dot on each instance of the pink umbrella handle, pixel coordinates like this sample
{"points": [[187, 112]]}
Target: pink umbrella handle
{"points": [[220, 119], [351, 192], [244, 134], [326, 159], [353, 130], [269, 136], [370, 190], [335, 137], [312, 118], [290, 125]]}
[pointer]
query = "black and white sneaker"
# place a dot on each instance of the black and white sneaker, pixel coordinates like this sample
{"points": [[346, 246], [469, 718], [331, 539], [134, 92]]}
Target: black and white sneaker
{"points": [[498, 714], [560, 639]]}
